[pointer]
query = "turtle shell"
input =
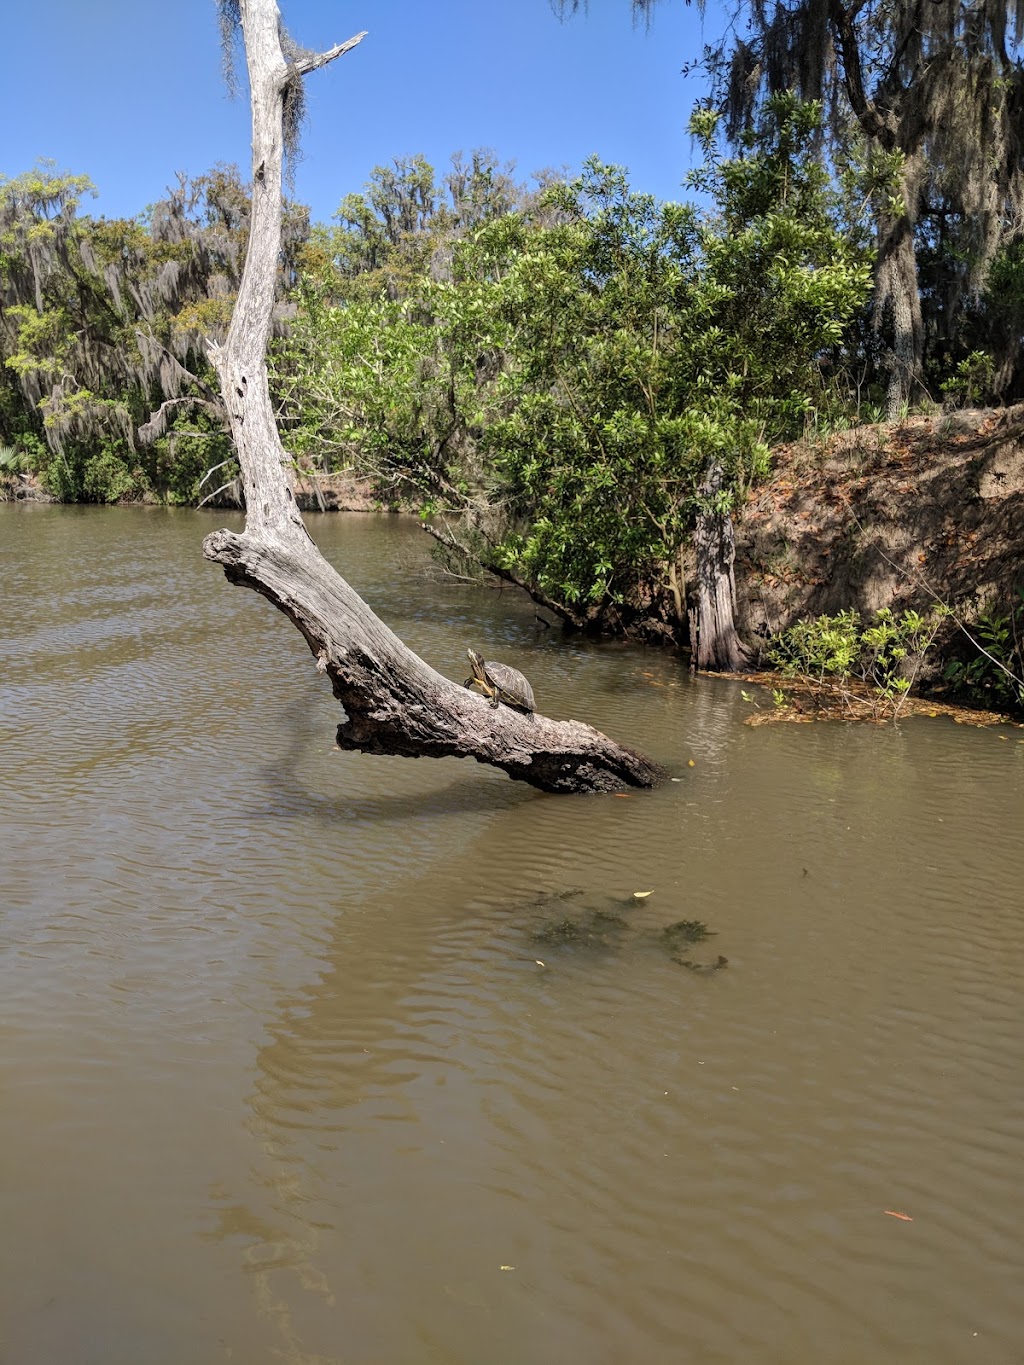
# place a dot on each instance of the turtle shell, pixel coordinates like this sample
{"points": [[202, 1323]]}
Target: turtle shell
{"points": [[513, 688]]}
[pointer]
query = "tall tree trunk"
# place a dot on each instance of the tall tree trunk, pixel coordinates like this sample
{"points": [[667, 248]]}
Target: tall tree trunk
{"points": [[394, 702], [713, 638], [897, 298], [898, 310]]}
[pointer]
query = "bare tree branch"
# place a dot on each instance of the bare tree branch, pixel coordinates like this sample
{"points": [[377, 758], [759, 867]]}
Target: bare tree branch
{"points": [[314, 61], [157, 425]]}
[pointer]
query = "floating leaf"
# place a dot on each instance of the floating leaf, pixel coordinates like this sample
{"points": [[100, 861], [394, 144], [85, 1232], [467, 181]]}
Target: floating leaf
{"points": [[903, 1217], [642, 895], [690, 763]]}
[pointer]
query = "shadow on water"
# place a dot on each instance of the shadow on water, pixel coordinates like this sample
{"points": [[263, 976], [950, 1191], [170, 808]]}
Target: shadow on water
{"points": [[293, 799], [290, 794]]}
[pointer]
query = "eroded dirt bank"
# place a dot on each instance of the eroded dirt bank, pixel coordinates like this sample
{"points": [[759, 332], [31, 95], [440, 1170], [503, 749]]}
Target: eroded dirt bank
{"points": [[887, 516]]}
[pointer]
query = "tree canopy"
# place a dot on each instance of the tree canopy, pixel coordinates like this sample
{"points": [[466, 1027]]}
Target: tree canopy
{"points": [[922, 104], [579, 364]]}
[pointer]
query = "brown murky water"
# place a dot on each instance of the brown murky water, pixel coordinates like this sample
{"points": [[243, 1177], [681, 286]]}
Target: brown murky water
{"points": [[283, 1078]]}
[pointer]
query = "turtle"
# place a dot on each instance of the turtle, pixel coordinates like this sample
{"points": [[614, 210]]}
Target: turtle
{"points": [[498, 682]]}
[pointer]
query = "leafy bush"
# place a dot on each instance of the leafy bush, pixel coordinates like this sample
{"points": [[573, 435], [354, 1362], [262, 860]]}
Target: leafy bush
{"points": [[970, 382], [113, 475], [176, 463], [995, 677], [105, 471], [863, 668]]}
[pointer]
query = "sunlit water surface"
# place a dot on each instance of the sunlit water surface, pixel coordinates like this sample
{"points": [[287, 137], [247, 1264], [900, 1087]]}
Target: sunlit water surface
{"points": [[318, 1057]]}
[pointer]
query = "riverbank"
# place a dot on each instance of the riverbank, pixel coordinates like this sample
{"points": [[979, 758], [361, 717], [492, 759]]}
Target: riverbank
{"points": [[904, 517], [344, 492]]}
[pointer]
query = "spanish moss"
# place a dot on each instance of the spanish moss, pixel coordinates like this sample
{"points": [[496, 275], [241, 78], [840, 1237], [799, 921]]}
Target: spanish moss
{"points": [[229, 18]]}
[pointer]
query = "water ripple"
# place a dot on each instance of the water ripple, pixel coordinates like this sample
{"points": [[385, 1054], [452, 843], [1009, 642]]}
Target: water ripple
{"points": [[319, 1056]]}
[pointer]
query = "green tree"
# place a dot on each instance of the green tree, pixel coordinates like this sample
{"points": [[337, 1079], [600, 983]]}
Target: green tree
{"points": [[405, 222], [103, 328], [922, 101], [381, 364], [596, 376], [652, 354]]}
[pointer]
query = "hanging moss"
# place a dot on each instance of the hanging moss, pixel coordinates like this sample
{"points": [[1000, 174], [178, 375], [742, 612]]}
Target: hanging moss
{"points": [[229, 18], [104, 323]]}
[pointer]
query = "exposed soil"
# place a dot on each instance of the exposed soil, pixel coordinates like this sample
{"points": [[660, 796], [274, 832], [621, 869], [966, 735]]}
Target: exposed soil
{"points": [[338, 493], [327, 493], [887, 517], [22, 488]]}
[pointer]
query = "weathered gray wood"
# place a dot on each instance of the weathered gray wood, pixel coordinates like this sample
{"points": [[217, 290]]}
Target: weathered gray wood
{"points": [[714, 640], [394, 702]]}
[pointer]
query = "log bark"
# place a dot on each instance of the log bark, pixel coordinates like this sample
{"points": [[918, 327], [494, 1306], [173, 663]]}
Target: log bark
{"points": [[394, 702]]}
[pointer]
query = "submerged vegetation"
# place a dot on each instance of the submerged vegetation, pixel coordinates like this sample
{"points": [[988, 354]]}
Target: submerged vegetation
{"points": [[611, 927]]}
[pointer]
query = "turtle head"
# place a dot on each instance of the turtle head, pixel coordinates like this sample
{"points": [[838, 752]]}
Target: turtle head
{"points": [[479, 666]]}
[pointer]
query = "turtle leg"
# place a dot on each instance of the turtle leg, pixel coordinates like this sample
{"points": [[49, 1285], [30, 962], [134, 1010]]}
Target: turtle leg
{"points": [[481, 688]]}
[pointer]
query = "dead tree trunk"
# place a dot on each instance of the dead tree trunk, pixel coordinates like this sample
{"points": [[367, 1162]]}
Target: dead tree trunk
{"points": [[713, 638], [394, 702]]}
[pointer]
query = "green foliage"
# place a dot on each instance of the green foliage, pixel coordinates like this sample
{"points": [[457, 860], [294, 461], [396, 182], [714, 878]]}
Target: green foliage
{"points": [[994, 676], [403, 225], [102, 321], [922, 128], [111, 474], [828, 645], [364, 384], [381, 366], [860, 666], [571, 364], [970, 381], [177, 462], [647, 343], [12, 460], [103, 471]]}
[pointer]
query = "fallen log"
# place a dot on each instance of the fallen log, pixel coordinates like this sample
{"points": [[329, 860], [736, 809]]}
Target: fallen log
{"points": [[395, 703]]}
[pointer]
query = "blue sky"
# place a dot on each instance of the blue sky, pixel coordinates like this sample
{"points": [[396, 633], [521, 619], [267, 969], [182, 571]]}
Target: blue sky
{"points": [[130, 91]]}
